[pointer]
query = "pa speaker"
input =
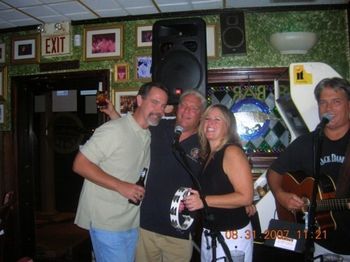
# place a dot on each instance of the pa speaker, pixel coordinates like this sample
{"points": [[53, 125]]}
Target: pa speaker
{"points": [[179, 55], [232, 33]]}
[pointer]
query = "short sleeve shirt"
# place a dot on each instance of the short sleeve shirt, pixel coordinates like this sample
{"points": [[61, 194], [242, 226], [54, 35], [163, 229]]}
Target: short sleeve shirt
{"points": [[122, 149]]}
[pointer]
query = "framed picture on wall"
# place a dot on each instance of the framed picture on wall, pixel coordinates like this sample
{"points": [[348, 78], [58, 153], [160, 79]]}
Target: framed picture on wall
{"points": [[2, 114], [3, 83], [25, 49], [144, 36], [121, 72], [2, 53], [143, 66], [103, 42], [125, 100], [212, 44]]}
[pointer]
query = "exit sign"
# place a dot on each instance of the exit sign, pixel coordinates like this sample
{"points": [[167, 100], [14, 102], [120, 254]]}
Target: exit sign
{"points": [[55, 45], [55, 42]]}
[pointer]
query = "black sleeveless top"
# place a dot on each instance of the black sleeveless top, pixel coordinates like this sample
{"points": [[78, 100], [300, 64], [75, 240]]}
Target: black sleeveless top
{"points": [[214, 181]]}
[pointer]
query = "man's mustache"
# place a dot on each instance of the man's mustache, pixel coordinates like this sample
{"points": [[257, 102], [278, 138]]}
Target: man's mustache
{"points": [[156, 114]]}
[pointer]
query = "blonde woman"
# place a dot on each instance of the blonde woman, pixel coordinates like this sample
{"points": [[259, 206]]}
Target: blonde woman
{"points": [[226, 183]]}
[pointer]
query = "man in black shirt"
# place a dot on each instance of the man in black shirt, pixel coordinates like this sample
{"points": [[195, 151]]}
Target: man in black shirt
{"points": [[159, 240], [333, 98]]}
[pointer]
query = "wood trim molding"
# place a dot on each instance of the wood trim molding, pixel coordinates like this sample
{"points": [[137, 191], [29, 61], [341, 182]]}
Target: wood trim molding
{"points": [[252, 75]]}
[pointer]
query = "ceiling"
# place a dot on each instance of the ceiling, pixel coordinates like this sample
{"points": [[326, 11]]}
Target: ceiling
{"points": [[21, 13]]}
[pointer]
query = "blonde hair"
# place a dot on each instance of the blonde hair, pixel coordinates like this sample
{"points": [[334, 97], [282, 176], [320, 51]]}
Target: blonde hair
{"points": [[231, 136]]}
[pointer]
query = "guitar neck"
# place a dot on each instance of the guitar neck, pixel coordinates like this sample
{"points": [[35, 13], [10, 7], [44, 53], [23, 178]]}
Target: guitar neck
{"points": [[335, 204]]}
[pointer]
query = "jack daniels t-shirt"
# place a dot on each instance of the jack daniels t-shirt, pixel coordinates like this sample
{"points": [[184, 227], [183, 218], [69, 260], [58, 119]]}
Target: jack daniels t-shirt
{"points": [[299, 158]]}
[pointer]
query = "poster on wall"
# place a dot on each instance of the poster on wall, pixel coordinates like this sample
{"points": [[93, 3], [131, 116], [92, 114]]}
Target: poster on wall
{"points": [[2, 53], [125, 101], [143, 66], [3, 83], [103, 42], [1, 113], [121, 72], [25, 49]]}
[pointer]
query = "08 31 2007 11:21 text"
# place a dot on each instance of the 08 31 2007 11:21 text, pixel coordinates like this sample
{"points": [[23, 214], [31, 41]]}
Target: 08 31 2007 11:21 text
{"points": [[276, 233]]}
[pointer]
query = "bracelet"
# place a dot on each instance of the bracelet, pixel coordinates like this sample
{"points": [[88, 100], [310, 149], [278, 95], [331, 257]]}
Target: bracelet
{"points": [[178, 220]]}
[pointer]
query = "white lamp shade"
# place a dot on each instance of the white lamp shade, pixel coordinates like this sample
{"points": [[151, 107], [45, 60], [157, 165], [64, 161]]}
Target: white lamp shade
{"points": [[293, 42]]}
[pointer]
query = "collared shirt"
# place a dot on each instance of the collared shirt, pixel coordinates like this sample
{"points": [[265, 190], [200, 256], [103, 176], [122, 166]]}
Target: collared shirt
{"points": [[121, 148]]}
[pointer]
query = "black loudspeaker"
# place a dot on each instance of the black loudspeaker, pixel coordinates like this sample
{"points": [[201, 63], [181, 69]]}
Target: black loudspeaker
{"points": [[232, 33], [179, 55]]}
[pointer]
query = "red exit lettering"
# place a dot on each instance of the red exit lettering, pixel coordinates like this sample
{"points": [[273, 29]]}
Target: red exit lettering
{"points": [[54, 45]]}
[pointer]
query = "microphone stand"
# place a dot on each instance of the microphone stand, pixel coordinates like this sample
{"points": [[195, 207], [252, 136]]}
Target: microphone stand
{"points": [[317, 149], [215, 234]]}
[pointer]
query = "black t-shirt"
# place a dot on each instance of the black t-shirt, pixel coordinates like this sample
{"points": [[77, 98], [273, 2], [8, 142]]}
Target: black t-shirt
{"points": [[299, 157], [165, 176]]}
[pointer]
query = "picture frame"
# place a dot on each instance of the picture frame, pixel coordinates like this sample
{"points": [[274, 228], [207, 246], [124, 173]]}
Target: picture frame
{"points": [[125, 100], [121, 72], [212, 40], [3, 83], [2, 53], [144, 36], [143, 65], [103, 42], [2, 114], [25, 49]]}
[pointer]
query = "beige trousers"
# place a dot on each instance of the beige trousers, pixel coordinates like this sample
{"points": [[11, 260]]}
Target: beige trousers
{"points": [[153, 247]]}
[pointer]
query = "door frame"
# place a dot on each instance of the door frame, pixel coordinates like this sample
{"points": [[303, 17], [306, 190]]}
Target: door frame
{"points": [[24, 147]]}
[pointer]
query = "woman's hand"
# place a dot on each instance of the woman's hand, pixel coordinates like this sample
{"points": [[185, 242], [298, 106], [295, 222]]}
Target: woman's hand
{"points": [[251, 210], [193, 201]]}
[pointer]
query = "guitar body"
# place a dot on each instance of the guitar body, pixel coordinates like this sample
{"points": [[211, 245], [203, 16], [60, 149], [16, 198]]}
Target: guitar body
{"points": [[303, 189]]}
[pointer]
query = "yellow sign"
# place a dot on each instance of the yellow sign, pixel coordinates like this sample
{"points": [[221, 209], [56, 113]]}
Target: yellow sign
{"points": [[300, 76]]}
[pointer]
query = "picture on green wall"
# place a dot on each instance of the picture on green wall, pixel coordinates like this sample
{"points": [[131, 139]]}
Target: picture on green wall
{"points": [[1, 86], [125, 101], [144, 36], [25, 49], [121, 72], [143, 66], [2, 53], [3, 83], [103, 42], [1, 113], [212, 45]]}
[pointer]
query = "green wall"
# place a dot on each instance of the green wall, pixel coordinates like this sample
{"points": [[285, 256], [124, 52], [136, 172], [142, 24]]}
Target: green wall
{"points": [[330, 25]]}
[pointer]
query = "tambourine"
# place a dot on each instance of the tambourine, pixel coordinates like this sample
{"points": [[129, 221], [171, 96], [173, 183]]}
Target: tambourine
{"points": [[178, 220]]}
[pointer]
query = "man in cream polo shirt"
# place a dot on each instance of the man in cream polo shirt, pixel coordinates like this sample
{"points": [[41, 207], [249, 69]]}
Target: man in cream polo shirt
{"points": [[111, 161]]}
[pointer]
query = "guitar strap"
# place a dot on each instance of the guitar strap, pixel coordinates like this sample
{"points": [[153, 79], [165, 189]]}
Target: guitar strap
{"points": [[343, 181]]}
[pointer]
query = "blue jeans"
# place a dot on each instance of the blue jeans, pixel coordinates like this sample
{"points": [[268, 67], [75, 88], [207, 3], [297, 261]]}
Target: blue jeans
{"points": [[111, 246]]}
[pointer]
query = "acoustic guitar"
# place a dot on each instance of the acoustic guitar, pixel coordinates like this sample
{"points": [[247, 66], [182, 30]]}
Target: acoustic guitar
{"points": [[325, 202]]}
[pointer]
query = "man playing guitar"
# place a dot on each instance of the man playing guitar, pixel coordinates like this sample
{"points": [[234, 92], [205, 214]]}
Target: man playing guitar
{"points": [[333, 98]]}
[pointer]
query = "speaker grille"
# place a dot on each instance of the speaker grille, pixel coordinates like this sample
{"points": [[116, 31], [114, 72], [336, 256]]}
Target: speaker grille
{"points": [[179, 55], [233, 37], [232, 33], [180, 70]]}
